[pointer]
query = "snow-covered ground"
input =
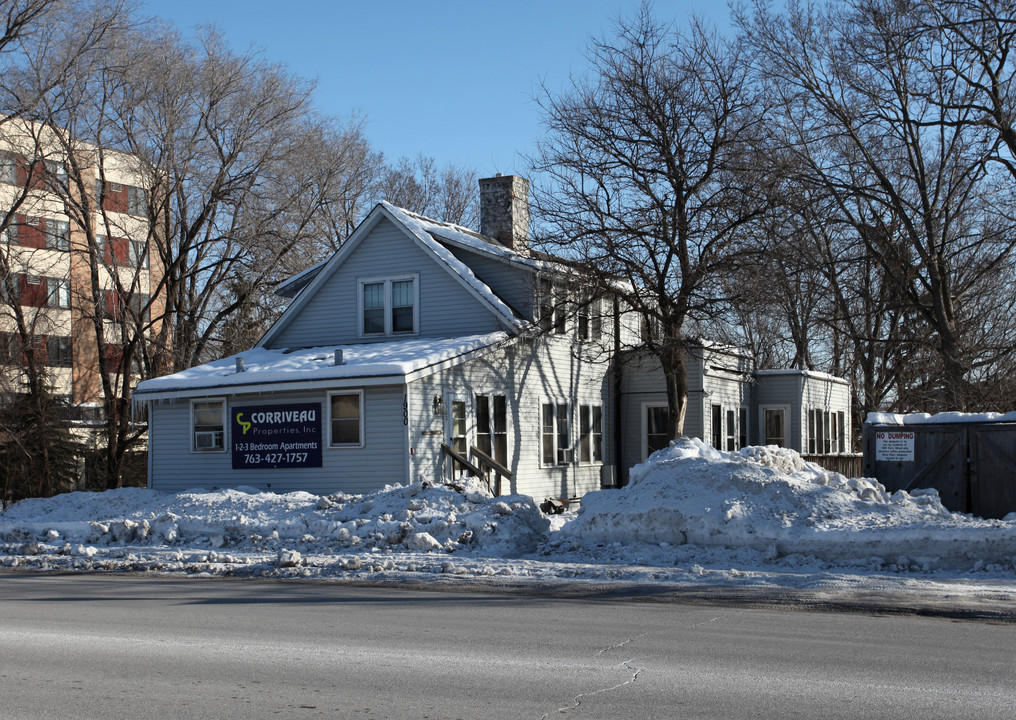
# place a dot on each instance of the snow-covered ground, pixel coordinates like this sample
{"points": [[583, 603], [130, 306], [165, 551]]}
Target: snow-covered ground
{"points": [[691, 518]]}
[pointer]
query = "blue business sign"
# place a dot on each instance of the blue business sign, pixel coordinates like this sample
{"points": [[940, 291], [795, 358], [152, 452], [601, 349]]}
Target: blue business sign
{"points": [[276, 436]]}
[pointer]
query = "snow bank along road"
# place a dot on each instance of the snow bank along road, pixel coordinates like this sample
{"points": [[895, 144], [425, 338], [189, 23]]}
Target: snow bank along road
{"points": [[760, 522]]}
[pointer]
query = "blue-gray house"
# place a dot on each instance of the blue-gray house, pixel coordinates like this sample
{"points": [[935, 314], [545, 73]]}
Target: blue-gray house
{"points": [[419, 341]]}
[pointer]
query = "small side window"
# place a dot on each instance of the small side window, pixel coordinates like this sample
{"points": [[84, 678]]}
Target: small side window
{"points": [[208, 418], [346, 419]]}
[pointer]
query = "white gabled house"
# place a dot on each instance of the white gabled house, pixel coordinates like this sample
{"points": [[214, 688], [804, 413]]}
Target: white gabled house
{"points": [[419, 341]]}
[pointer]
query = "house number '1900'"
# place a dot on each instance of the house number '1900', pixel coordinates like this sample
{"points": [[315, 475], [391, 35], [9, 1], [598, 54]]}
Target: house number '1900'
{"points": [[405, 410]]}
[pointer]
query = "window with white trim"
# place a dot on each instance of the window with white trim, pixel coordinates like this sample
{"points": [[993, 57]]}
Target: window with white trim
{"points": [[731, 431], [742, 428], [555, 435], [457, 420], [389, 306], [655, 434], [826, 432], [590, 434], [552, 303], [208, 424], [492, 426], [774, 425], [345, 418], [716, 421]]}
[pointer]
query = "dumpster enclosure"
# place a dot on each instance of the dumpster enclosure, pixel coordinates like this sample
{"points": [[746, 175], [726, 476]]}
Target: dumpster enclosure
{"points": [[970, 459]]}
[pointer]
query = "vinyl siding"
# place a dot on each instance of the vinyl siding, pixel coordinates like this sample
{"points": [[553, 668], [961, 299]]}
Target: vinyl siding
{"points": [[712, 379], [382, 459], [527, 373], [802, 392], [512, 284], [331, 317]]}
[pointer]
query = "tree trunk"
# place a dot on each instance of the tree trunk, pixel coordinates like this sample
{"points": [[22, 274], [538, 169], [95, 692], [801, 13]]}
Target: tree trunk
{"points": [[675, 375]]}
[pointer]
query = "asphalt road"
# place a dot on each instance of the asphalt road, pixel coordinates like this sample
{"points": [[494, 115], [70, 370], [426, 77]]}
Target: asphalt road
{"points": [[100, 646]]}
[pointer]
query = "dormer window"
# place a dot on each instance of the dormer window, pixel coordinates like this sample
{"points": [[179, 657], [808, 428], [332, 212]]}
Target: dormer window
{"points": [[389, 306]]}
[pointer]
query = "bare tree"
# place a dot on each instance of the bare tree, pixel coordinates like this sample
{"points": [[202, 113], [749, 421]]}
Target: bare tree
{"points": [[645, 178], [448, 194], [975, 42], [45, 47], [897, 151]]}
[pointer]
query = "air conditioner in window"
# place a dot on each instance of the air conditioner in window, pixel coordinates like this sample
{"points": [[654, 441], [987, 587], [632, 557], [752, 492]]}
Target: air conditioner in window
{"points": [[208, 440]]}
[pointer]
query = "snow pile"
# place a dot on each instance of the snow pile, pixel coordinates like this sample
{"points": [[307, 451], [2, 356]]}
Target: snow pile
{"points": [[462, 517], [769, 499], [691, 515]]}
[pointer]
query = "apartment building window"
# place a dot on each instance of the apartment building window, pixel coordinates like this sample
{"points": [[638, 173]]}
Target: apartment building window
{"points": [[60, 352], [492, 426], [716, 417], [59, 292], [58, 235], [56, 170], [9, 168], [10, 349], [138, 254], [208, 425], [345, 419], [742, 428], [114, 250], [731, 432], [555, 434], [137, 201], [389, 306], [590, 434]]}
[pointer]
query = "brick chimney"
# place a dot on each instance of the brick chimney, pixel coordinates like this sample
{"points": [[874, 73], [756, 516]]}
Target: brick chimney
{"points": [[504, 210]]}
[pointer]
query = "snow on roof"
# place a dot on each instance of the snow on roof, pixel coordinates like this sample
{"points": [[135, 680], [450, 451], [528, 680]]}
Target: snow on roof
{"points": [[467, 239], [421, 228], [878, 418], [804, 373], [395, 359], [444, 233]]}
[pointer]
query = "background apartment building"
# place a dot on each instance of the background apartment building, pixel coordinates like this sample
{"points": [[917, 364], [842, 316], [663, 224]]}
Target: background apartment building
{"points": [[50, 276]]}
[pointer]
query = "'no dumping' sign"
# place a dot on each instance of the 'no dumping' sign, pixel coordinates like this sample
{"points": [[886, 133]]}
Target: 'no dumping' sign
{"points": [[894, 446]]}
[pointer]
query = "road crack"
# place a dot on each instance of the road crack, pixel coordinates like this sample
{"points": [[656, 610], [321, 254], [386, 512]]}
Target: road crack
{"points": [[629, 665]]}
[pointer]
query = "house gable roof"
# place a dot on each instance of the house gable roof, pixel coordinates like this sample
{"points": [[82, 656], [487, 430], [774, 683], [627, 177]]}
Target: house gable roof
{"points": [[417, 232]]}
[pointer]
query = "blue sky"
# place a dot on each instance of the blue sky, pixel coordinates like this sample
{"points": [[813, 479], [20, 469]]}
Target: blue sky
{"points": [[454, 80]]}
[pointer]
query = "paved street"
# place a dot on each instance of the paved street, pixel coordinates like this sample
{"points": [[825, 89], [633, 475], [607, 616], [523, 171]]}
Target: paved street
{"points": [[91, 646]]}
